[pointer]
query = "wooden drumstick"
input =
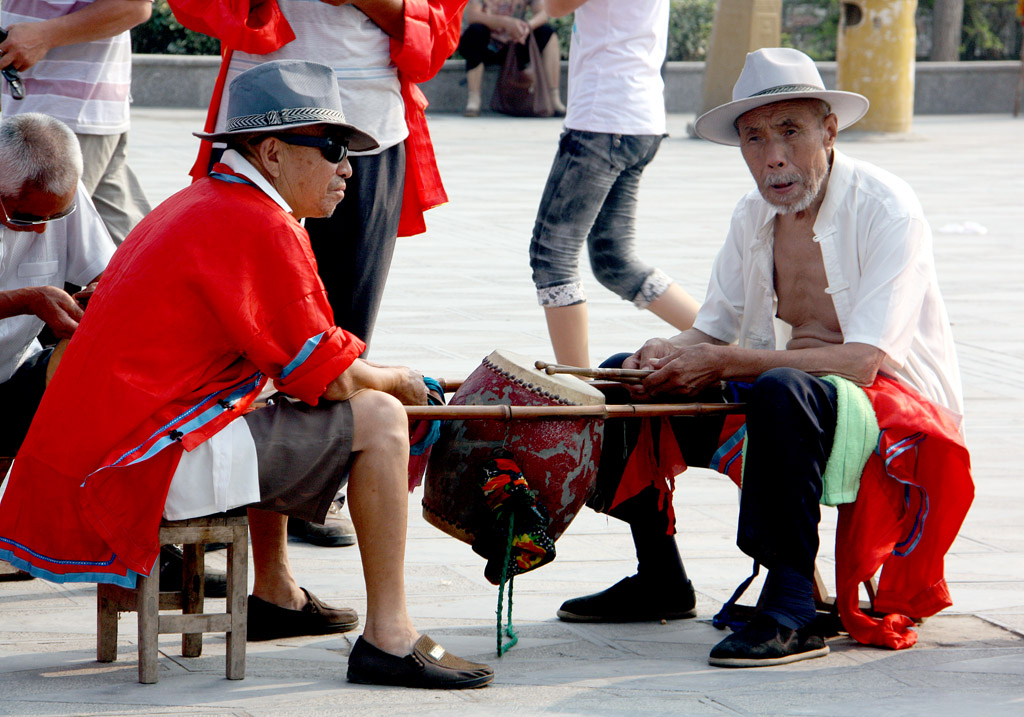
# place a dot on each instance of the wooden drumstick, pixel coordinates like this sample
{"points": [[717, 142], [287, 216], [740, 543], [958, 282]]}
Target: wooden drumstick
{"points": [[622, 375]]}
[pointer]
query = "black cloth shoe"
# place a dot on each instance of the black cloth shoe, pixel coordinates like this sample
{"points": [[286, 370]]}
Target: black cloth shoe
{"points": [[172, 568], [631, 600], [765, 642], [336, 532], [428, 666], [267, 621]]}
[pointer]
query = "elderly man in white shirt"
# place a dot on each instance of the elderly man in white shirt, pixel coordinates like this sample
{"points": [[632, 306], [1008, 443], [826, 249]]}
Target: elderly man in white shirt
{"points": [[827, 270]]}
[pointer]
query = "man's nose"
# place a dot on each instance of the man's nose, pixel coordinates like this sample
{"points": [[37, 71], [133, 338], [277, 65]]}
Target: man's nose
{"points": [[344, 168], [776, 154]]}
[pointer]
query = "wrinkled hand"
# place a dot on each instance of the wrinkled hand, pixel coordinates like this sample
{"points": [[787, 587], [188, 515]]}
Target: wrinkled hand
{"points": [[409, 387], [26, 44], [56, 307], [82, 297], [651, 350], [685, 371]]}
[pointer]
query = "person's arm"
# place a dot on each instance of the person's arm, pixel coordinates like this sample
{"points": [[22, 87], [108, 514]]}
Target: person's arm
{"points": [[54, 306], [389, 15], [516, 28], [692, 368], [561, 8], [28, 42], [539, 17], [403, 383]]}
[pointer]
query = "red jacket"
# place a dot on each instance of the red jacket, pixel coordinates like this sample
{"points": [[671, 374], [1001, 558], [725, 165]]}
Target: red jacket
{"points": [[213, 292], [431, 35]]}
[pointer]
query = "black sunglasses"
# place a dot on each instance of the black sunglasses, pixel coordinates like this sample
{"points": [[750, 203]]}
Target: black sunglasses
{"points": [[334, 150]]}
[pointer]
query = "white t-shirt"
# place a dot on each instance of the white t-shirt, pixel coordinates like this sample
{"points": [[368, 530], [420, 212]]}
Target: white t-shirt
{"points": [[876, 246], [358, 50], [615, 60], [74, 249], [222, 472], [86, 86]]}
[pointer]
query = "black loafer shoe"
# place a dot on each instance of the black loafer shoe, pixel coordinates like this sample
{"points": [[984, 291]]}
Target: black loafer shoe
{"points": [[172, 568], [631, 600], [765, 642], [428, 666], [267, 621]]}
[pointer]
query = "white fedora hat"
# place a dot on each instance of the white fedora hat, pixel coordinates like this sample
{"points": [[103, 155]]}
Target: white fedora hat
{"points": [[775, 74]]}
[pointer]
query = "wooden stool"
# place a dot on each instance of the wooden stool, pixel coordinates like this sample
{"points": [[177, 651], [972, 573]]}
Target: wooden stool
{"points": [[147, 600]]}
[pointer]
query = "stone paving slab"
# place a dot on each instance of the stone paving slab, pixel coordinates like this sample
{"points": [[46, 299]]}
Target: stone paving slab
{"points": [[464, 289]]}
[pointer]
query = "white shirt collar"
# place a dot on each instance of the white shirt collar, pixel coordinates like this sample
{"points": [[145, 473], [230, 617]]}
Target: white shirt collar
{"points": [[240, 165]]}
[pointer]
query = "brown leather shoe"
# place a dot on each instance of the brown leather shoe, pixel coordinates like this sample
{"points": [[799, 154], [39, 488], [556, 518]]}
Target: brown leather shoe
{"points": [[267, 621]]}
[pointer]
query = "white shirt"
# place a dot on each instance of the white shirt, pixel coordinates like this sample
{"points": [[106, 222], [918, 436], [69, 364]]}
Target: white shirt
{"points": [[222, 472], [360, 53], [87, 85], [876, 246], [615, 60], [74, 249]]}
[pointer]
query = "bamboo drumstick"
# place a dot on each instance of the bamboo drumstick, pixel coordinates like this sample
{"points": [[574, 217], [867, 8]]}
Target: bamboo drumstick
{"points": [[504, 412], [622, 375]]}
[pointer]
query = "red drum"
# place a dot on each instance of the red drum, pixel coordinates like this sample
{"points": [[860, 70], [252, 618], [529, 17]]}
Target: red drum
{"points": [[558, 457]]}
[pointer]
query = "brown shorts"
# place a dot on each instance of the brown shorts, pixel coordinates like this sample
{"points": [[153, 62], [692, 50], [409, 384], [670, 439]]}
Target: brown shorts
{"points": [[304, 453]]}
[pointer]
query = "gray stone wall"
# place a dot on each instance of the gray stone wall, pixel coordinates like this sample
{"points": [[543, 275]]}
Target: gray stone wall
{"points": [[940, 87]]}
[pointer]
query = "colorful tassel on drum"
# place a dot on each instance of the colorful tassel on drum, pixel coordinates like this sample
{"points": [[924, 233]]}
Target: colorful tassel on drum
{"points": [[508, 494]]}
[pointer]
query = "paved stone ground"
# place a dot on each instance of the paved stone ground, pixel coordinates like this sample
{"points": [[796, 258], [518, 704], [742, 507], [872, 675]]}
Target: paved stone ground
{"points": [[464, 289]]}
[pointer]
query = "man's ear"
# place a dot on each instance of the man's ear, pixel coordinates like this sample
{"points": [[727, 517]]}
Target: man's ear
{"points": [[831, 128], [269, 153]]}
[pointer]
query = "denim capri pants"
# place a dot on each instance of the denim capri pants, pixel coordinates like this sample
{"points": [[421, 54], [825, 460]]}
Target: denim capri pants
{"points": [[591, 197]]}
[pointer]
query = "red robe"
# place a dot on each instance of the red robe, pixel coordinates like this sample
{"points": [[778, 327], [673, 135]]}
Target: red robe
{"points": [[431, 35], [212, 293]]}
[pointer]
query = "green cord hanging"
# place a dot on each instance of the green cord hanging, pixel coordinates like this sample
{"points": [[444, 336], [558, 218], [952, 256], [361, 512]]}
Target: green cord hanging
{"points": [[506, 631]]}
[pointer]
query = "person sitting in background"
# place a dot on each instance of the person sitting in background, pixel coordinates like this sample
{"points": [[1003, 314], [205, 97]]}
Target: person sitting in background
{"points": [[494, 28]]}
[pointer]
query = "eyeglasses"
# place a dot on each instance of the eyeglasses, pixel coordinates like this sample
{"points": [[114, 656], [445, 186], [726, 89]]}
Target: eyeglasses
{"points": [[333, 150], [30, 221]]}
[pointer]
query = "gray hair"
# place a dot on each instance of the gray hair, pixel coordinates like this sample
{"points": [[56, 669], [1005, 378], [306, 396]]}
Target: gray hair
{"points": [[41, 151]]}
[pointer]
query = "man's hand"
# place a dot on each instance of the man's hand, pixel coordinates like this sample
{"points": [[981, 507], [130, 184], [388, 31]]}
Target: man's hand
{"points": [[403, 383], [409, 387], [686, 371], [54, 306], [27, 43], [652, 350], [83, 296]]}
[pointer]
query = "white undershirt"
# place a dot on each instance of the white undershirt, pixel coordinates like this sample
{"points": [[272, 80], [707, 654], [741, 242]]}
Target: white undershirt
{"points": [[222, 472]]}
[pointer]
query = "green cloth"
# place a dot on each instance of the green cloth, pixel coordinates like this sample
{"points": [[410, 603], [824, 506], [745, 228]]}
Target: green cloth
{"points": [[855, 438]]}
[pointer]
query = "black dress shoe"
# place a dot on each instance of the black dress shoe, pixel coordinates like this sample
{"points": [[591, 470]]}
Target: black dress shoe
{"points": [[765, 642], [428, 666], [172, 568], [632, 600], [267, 621]]}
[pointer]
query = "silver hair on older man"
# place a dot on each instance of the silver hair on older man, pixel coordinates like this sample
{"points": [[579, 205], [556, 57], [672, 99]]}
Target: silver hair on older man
{"points": [[39, 150]]}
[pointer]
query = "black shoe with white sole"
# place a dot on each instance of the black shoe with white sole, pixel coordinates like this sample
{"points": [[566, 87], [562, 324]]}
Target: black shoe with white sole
{"points": [[765, 642]]}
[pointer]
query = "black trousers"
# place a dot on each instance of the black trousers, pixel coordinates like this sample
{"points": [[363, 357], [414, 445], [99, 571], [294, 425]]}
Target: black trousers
{"points": [[355, 245], [791, 418], [476, 46], [19, 398]]}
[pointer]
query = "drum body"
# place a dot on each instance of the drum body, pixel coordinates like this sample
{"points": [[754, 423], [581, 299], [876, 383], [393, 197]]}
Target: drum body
{"points": [[558, 457]]}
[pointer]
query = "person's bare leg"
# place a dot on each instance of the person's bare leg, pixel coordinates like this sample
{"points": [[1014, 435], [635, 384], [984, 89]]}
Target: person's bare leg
{"points": [[676, 307], [552, 58], [273, 579], [567, 327], [474, 79], [378, 497]]}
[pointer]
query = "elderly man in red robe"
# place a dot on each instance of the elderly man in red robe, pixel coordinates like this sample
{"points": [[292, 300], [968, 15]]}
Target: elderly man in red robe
{"points": [[218, 290]]}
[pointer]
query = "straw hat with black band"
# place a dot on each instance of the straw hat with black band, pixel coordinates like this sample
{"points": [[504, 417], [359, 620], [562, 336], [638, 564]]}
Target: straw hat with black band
{"points": [[776, 74], [282, 95]]}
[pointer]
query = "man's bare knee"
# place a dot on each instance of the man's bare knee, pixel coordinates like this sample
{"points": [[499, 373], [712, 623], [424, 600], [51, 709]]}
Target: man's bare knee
{"points": [[380, 422]]}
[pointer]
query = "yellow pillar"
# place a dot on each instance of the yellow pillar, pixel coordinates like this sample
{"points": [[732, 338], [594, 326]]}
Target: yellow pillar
{"points": [[875, 57], [740, 26]]}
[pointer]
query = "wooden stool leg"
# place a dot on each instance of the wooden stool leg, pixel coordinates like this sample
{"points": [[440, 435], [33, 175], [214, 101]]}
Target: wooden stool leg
{"points": [[238, 561], [106, 625], [193, 596], [149, 626]]}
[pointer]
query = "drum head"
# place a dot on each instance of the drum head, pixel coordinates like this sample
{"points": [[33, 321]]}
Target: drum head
{"points": [[564, 389]]}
